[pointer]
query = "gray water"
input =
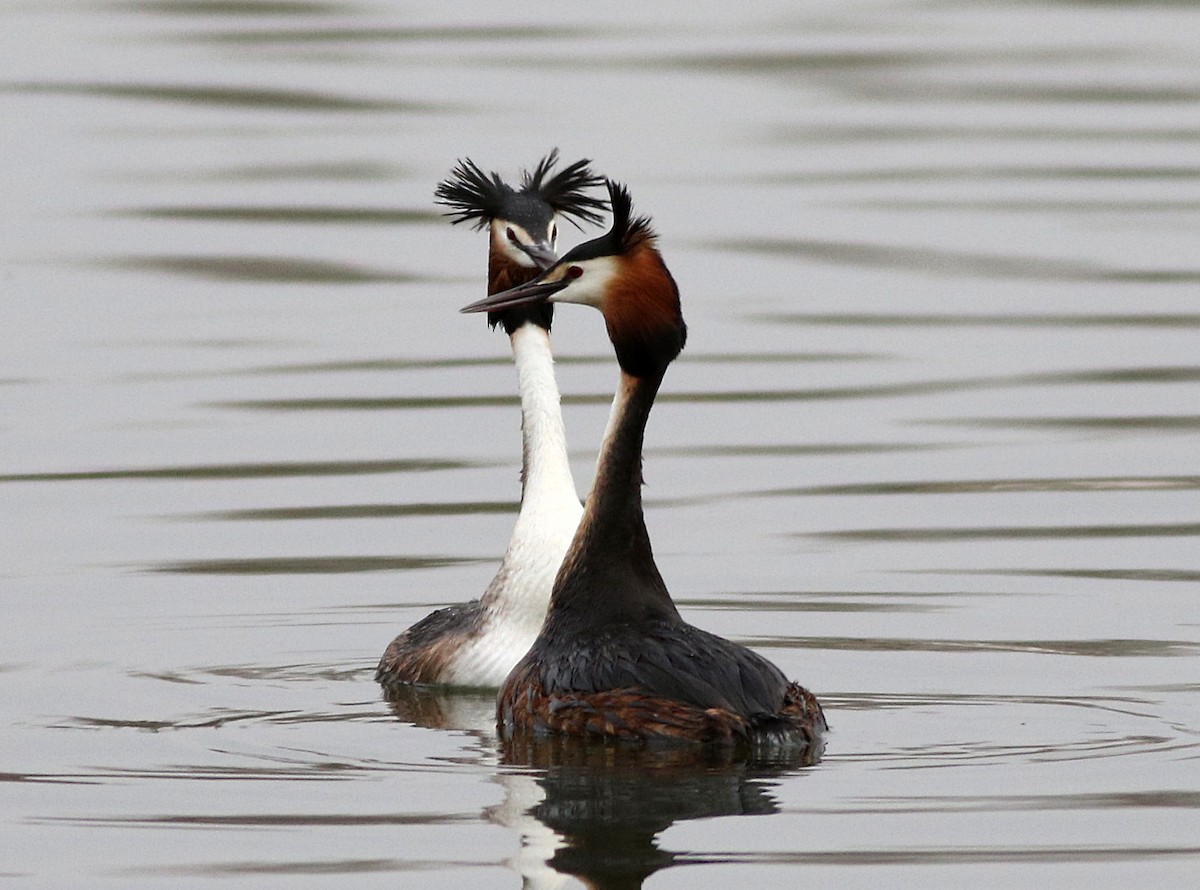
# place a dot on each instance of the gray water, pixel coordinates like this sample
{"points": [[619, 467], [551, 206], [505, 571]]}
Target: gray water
{"points": [[933, 447]]}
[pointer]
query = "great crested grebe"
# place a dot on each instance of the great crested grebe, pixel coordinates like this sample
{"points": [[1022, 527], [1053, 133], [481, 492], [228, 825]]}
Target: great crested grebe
{"points": [[477, 643], [614, 657]]}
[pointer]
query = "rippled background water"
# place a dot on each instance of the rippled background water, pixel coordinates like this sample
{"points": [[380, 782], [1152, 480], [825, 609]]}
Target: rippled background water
{"points": [[933, 446]]}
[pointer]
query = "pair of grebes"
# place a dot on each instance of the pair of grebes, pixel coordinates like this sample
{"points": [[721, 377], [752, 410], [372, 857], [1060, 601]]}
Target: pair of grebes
{"points": [[577, 627]]}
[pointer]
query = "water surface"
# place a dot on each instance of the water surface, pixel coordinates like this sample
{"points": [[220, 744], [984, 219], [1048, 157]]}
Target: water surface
{"points": [[932, 446]]}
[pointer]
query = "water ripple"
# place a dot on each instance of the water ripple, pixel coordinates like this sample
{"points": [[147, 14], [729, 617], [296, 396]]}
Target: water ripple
{"points": [[1110, 648], [994, 486], [271, 470], [221, 8], [945, 855], [217, 718], [474, 361], [795, 450], [49, 778], [804, 60], [985, 320], [305, 672], [1159, 799], [224, 96], [1087, 131], [1114, 729], [285, 214], [1127, 423], [276, 820], [1101, 205], [1013, 533], [1185, 576], [310, 867], [1140, 376], [839, 603], [988, 174], [931, 261], [278, 270], [487, 34], [336, 170], [360, 511], [308, 565], [1135, 706]]}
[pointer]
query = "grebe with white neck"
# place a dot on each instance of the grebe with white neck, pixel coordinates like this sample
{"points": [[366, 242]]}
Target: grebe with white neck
{"points": [[477, 643], [614, 657]]}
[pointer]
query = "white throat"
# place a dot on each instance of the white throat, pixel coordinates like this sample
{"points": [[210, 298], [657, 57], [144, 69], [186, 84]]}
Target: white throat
{"points": [[516, 600]]}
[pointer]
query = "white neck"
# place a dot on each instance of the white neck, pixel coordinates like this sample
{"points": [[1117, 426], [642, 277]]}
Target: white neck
{"points": [[546, 482], [515, 602], [550, 508]]}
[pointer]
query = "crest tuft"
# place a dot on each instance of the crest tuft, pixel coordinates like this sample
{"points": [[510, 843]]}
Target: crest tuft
{"points": [[478, 197], [471, 195]]}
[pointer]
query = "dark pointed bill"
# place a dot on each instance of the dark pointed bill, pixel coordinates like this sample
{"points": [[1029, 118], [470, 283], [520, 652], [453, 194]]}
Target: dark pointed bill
{"points": [[521, 295]]}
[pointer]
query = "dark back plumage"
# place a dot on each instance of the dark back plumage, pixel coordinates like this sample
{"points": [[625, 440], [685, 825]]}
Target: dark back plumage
{"points": [[477, 197]]}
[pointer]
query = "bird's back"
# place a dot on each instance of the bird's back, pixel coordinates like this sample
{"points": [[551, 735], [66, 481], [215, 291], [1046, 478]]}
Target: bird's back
{"points": [[424, 652], [667, 679]]}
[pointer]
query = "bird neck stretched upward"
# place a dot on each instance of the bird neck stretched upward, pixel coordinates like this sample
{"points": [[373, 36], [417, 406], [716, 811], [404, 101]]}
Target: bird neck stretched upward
{"points": [[546, 480], [550, 509], [609, 575]]}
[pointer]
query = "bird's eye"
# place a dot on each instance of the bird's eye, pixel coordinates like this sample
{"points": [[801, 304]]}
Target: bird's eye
{"points": [[554, 232], [512, 236], [574, 271]]}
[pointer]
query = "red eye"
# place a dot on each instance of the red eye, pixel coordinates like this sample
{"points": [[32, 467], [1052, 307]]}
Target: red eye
{"points": [[512, 236], [574, 271]]}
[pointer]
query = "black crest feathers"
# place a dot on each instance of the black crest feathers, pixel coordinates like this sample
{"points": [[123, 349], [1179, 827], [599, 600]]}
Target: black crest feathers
{"points": [[471, 195], [478, 197], [627, 230], [564, 190]]}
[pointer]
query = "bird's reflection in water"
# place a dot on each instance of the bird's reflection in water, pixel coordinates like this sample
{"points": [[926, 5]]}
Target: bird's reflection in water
{"points": [[594, 809], [441, 707], [608, 802]]}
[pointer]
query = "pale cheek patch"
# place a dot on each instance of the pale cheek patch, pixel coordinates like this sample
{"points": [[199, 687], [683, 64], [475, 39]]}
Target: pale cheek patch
{"points": [[520, 257], [510, 251], [590, 287]]}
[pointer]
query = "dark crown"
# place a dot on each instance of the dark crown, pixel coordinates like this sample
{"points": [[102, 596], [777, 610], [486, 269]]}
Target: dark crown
{"points": [[475, 196]]}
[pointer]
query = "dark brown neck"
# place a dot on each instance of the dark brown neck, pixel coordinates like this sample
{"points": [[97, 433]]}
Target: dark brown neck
{"points": [[609, 575], [503, 273]]}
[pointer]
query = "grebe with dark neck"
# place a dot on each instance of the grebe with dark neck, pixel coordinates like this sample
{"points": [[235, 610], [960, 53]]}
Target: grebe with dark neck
{"points": [[478, 642], [614, 657]]}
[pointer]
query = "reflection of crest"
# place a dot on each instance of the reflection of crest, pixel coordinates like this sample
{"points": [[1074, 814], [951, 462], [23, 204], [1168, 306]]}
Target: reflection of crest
{"points": [[594, 808]]}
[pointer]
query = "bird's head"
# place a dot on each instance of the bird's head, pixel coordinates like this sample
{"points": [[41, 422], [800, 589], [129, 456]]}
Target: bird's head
{"points": [[622, 274], [523, 221]]}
